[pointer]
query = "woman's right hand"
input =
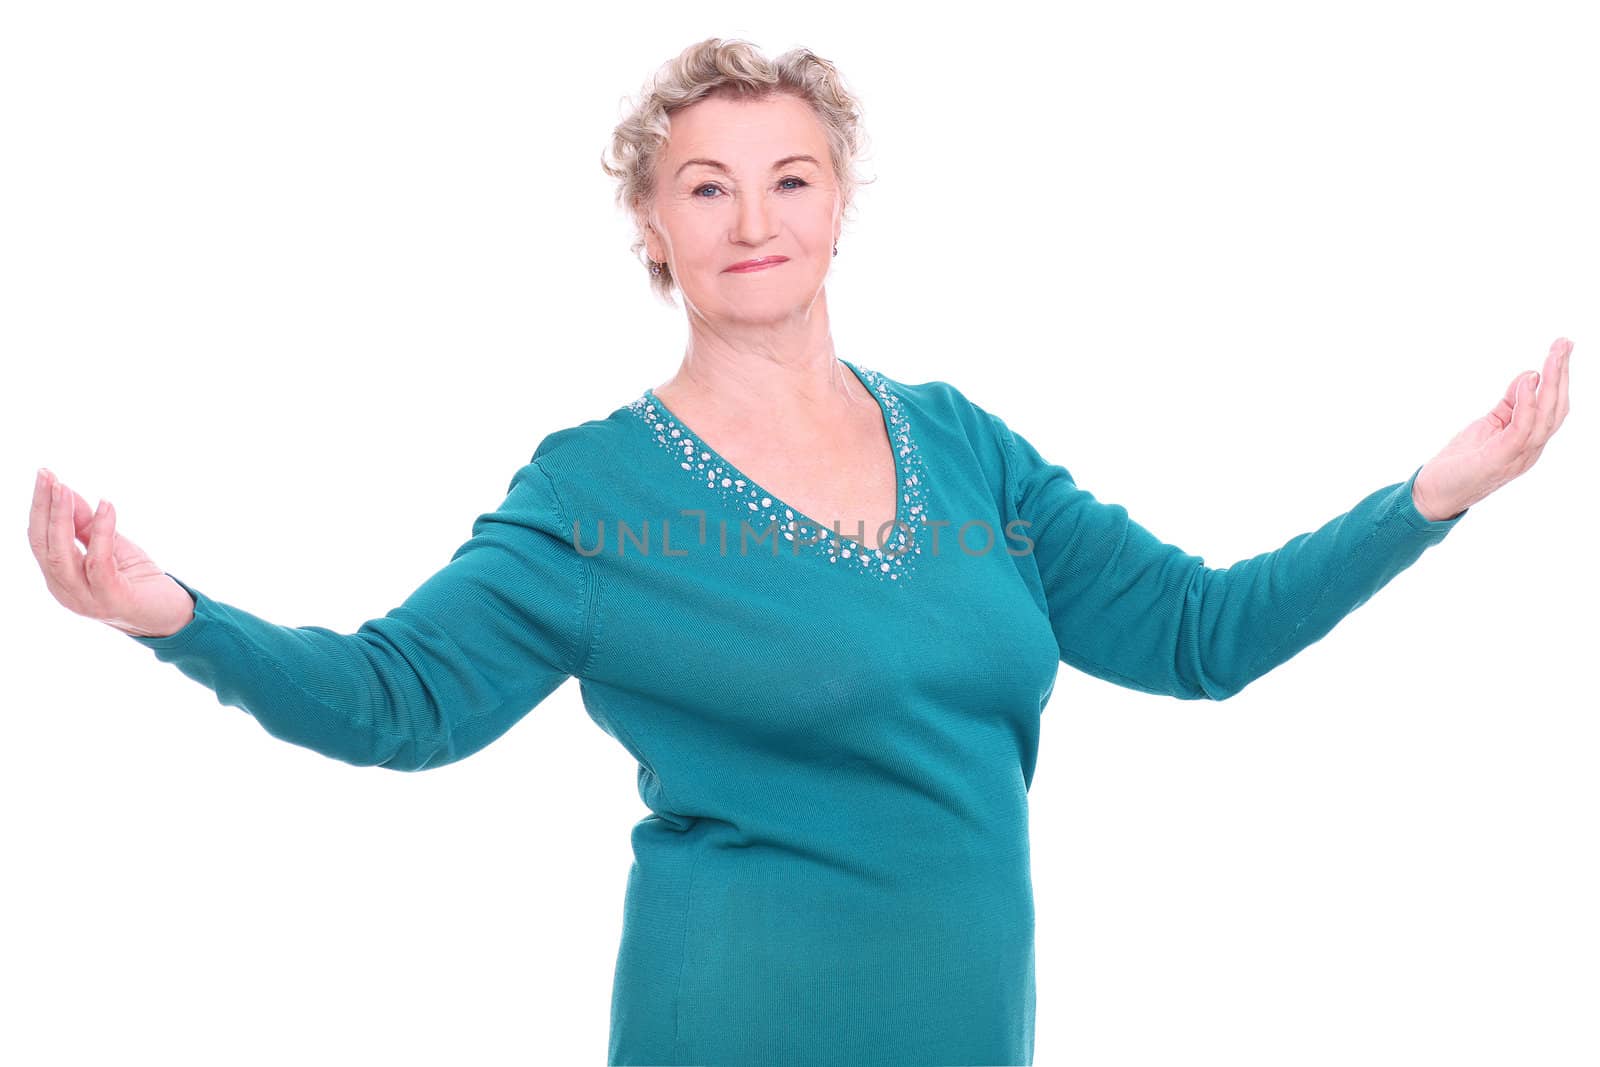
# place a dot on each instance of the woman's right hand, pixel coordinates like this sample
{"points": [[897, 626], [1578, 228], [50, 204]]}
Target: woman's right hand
{"points": [[115, 581]]}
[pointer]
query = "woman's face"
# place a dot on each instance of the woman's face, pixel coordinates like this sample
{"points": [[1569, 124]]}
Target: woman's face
{"points": [[765, 199]]}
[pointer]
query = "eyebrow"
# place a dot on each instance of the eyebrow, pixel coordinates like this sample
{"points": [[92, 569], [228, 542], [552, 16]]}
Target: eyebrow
{"points": [[784, 162]]}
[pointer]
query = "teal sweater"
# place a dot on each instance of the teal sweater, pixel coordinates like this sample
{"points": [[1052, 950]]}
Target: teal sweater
{"points": [[835, 743]]}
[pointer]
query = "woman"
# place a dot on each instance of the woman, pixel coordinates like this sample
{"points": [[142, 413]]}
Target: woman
{"points": [[822, 607]]}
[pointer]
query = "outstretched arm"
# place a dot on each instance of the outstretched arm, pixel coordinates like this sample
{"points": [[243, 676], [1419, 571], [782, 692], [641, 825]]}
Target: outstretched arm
{"points": [[466, 656], [1131, 609], [1144, 614]]}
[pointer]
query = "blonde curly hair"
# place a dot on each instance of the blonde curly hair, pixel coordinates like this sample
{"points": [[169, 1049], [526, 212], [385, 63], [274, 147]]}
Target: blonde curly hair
{"points": [[729, 69]]}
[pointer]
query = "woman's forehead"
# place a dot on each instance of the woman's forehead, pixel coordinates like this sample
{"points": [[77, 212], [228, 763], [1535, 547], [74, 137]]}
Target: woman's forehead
{"points": [[734, 125]]}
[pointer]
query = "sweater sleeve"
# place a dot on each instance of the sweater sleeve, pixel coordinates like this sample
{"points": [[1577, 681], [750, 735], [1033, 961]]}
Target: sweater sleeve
{"points": [[1132, 610], [467, 655]]}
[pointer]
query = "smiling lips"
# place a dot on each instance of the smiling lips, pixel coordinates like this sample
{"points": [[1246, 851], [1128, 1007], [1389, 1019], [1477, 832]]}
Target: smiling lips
{"points": [[757, 264]]}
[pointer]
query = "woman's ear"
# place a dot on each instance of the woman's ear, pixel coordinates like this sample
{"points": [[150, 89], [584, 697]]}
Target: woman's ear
{"points": [[652, 239]]}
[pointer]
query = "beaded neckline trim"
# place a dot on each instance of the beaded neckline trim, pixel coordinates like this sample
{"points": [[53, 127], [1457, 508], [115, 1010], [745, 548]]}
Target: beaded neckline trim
{"points": [[758, 507]]}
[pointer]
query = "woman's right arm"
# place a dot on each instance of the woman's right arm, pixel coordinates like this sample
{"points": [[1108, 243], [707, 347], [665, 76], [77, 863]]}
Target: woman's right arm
{"points": [[462, 660]]}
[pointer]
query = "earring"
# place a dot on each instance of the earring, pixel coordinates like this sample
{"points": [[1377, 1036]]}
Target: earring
{"points": [[835, 249]]}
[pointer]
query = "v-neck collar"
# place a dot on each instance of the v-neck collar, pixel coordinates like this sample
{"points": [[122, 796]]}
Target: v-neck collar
{"points": [[760, 507]]}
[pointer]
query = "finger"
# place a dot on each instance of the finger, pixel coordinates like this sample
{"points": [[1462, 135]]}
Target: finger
{"points": [[1514, 442], [1561, 389], [100, 565], [39, 517], [1545, 408], [82, 515], [66, 564], [1501, 412]]}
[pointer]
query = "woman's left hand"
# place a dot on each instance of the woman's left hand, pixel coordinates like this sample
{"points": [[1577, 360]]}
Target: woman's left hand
{"points": [[1501, 445]]}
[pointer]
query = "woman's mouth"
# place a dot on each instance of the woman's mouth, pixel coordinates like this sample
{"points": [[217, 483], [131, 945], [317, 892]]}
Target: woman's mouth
{"points": [[757, 264]]}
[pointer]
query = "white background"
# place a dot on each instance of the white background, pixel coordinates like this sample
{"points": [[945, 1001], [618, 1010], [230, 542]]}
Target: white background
{"points": [[299, 287]]}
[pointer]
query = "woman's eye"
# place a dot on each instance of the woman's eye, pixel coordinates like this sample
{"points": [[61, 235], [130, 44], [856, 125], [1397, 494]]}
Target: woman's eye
{"points": [[700, 189]]}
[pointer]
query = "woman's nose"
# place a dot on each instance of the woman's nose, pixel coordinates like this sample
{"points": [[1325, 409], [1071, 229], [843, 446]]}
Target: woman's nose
{"points": [[754, 223]]}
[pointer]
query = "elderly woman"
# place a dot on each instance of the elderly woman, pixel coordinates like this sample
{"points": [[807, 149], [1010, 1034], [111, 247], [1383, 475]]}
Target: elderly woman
{"points": [[823, 607]]}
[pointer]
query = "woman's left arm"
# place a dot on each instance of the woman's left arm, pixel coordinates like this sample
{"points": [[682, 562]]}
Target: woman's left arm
{"points": [[1133, 610]]}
